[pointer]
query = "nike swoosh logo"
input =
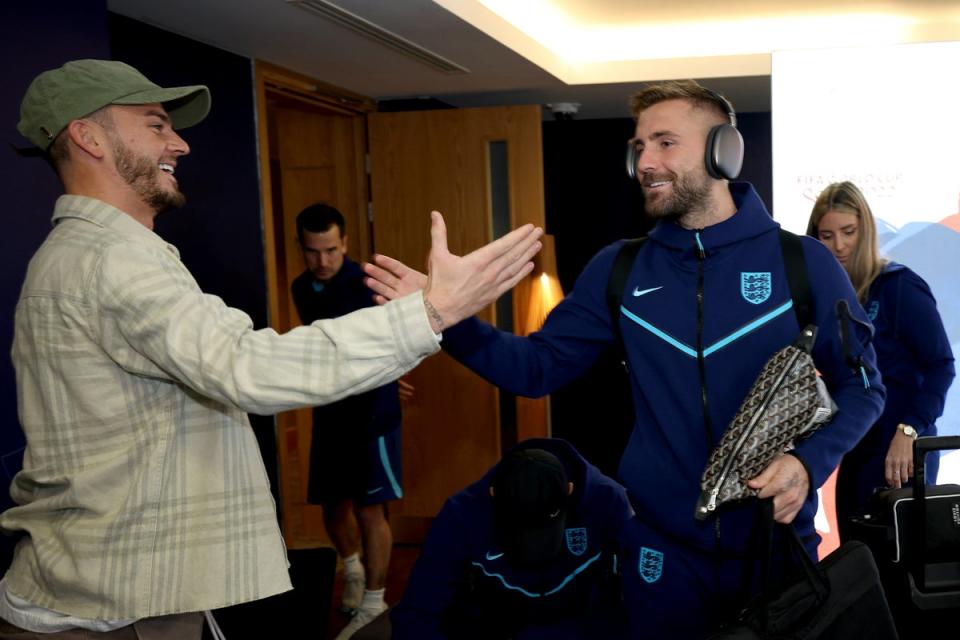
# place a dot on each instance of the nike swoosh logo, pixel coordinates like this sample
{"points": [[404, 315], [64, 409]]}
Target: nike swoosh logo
{"points": [[637, 292], [372, 491], [493, 557]]}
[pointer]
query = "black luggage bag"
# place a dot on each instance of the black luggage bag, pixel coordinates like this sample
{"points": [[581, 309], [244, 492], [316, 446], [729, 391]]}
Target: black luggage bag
{"points": [[914, 534]]}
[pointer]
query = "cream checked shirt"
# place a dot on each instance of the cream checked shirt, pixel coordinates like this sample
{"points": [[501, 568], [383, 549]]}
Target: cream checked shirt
{"points": [[143, 492]]}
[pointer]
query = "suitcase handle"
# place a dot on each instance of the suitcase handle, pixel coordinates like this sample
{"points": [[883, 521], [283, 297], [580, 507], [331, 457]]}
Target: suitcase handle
{"points": [[922, 446]]}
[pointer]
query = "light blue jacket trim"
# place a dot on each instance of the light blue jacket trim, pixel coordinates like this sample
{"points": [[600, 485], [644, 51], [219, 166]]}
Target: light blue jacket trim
{"points": [[660, 334], [385, 460], [762, 320], [530, 594]]}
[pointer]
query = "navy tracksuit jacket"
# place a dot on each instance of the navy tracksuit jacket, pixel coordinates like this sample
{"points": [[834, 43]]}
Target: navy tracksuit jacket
{"points": [[463, 587], [916, 361], [378, 410], [702, 312]]}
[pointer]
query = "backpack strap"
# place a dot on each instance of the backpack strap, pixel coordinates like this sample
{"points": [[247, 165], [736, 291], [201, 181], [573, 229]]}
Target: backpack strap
{"points": [[622, 265], [797, 277]]}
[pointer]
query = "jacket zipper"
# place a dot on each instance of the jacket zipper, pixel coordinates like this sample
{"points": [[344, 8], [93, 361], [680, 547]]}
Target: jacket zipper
{"points": [[701, 258]]}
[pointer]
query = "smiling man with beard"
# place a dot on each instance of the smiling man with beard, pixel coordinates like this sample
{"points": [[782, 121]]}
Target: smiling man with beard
{"points": [[704, 306], [143, 500], [143, 173], [670, 162]]}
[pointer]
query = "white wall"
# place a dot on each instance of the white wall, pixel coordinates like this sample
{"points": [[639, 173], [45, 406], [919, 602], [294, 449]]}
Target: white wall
{"points": [[888, 119]]}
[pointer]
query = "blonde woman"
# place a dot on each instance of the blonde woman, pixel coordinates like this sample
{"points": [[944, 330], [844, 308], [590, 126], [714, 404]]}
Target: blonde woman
{"points": [[913, 352]]}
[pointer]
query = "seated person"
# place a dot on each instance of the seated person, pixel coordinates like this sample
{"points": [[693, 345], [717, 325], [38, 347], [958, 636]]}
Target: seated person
{"points": [[528, 551]]}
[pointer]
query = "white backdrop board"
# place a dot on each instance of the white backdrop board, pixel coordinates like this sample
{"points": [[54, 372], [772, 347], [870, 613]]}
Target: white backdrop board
{"points": [[888, 119]]}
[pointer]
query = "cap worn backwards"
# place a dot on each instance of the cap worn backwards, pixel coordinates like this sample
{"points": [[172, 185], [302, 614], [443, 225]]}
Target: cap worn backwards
{"points": [[79, 88]]}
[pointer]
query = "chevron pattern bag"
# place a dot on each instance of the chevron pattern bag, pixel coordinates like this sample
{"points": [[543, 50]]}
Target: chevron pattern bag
{"points": [[787, 402]]}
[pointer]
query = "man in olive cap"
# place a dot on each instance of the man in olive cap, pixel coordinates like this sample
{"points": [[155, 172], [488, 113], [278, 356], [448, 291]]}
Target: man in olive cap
{"points": [[143, 500]]}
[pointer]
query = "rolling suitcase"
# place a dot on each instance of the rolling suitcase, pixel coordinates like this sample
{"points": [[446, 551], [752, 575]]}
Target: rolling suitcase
{"points": [[914, 534]]}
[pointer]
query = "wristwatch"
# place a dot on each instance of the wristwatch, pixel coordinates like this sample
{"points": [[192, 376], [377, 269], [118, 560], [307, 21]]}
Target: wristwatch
{"points": [[907, 430]]}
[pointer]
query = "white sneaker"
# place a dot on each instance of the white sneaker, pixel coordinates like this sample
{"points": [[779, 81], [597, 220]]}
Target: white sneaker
{"points": [[361, 618], [353, 585]]}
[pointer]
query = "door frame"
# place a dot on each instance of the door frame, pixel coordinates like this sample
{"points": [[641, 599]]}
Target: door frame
{"points": [[271, 79], [272, 83]]}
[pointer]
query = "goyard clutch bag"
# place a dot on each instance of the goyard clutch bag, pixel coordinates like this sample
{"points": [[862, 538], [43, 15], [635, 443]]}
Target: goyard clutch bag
{"points": [[787, 401]]}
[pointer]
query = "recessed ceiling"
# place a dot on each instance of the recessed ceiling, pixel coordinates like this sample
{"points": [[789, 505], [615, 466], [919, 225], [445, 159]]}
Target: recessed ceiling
{"points": [[522, 62], [583, 41]]}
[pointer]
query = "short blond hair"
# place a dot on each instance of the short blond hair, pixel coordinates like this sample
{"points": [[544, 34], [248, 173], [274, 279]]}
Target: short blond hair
{"points": [[690, 90]]}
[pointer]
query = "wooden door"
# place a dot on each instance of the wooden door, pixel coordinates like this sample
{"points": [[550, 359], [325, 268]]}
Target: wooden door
{"points": [[313, 148], [475, 166], [313, 144]]}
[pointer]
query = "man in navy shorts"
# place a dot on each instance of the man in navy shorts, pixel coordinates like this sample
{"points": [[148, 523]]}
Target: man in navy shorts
{"points": [[355, 451]]}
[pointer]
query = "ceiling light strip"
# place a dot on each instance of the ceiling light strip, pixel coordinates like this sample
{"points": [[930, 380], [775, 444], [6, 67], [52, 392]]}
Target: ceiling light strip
{"points": [[377, 33]]}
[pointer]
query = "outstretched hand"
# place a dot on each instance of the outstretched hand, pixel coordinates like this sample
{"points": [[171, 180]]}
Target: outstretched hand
{"points": [[786, 481], [458, 287], [390, 279]]}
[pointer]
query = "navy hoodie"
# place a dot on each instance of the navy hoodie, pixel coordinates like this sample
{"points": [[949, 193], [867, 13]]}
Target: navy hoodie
{"points": [[377, 410], [462, 586], [702, 312], [916, 362], [913, 350]]}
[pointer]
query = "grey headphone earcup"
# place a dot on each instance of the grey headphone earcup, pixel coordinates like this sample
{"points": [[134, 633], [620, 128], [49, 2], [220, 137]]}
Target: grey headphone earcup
{"points": [[631, 161], [723, 156], [724, 152]]}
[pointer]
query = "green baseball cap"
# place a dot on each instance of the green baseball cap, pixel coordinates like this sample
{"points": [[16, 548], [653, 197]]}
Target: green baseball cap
{"points": [[79, 88]]}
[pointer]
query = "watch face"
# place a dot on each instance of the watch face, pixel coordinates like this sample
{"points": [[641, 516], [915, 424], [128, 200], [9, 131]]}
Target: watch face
{"points": [[909, 431]]}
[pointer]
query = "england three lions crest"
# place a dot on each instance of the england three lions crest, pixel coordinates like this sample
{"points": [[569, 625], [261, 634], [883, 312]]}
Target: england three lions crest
{"points": [[650, 565], [577, 540], [755, 287]]}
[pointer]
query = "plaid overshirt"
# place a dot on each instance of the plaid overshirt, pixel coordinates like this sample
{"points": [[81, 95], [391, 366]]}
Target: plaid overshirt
{"points": [[143, 492]]}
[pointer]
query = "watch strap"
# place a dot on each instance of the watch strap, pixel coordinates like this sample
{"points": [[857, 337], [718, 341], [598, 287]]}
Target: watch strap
{"points": [[907, 430]]}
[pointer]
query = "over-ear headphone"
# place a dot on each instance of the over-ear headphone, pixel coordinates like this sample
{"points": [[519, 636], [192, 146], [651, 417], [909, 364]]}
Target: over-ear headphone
{"points": [[723, 154]]}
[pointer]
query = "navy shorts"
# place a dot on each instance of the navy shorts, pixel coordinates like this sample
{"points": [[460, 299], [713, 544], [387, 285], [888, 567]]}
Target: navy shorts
{"points": [[345, 465]]}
